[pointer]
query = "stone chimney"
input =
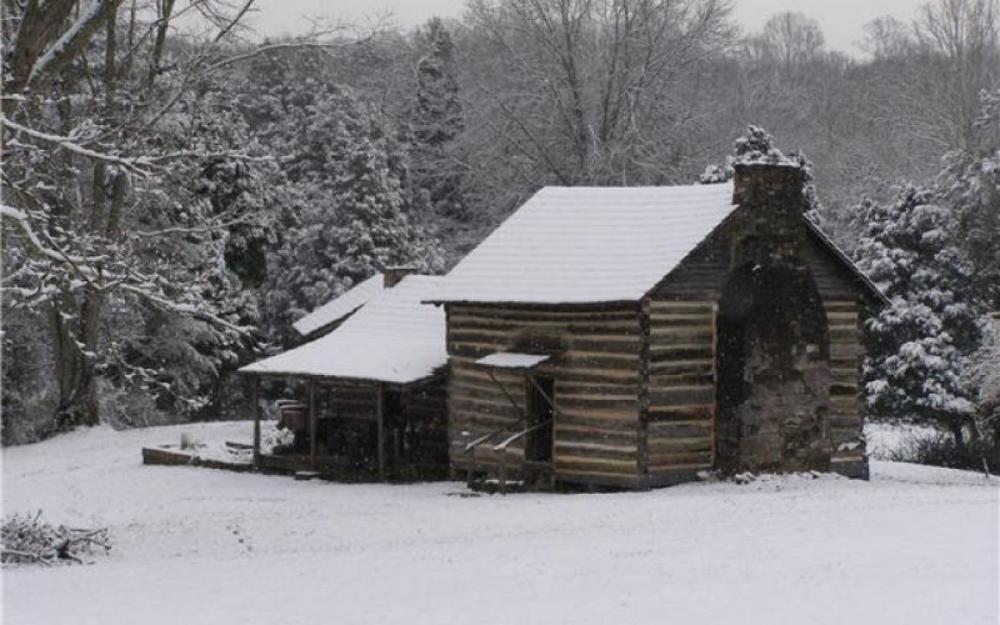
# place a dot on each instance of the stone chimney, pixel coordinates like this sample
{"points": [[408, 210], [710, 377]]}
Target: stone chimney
{"points": [[771, 227], [391, 276]]}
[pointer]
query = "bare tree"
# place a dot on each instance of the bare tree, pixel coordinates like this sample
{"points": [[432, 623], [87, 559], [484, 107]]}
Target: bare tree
{"points": [[963, 35], [92, 156], [588, 91], [792, 41]]}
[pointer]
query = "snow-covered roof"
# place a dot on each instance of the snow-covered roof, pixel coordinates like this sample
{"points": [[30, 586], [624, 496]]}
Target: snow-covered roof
{"points": [[341, 306], [512, 360], [393, 338], [588, 244]]}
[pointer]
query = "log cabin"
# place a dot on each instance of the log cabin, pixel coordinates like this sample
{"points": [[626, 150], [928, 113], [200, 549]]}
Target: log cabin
{"points": [[637, 337], [368, 387]]}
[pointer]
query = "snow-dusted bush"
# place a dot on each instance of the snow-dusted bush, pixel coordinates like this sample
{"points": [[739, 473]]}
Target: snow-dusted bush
{"points": [[27, 539]]}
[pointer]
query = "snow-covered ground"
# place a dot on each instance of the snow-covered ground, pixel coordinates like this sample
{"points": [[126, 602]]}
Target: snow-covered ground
{"points": [[899, 441], [915, 545]]}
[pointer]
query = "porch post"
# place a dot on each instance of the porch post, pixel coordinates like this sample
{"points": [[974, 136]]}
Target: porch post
{"points": [[380, 419], [312, 425], [255, 398]]}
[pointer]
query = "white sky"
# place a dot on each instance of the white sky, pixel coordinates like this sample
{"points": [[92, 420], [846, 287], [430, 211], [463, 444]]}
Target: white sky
{"points": [[841, 19]]}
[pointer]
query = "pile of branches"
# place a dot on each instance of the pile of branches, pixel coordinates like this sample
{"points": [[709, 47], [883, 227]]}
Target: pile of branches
{"points": [[27, 539]]}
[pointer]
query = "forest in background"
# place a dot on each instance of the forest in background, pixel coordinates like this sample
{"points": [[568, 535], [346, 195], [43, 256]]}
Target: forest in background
{"points": [[173, 198]]}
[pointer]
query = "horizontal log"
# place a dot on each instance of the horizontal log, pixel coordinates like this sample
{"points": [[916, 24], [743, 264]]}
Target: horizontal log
{"points": [[595, 451], [682, 367], [598, 423], [599, 376], [844, 351], [698, 429], [599, 478], [595, 465], [513, 312], [459, 421], [681, 396], [682, 380], [668, 446], [574, 359], [844, 334], [617, 414], [703, 307], [843, 389], [842, 318], [681, 322], [630, 404], [588, 394], [604, 344], [671, 353], [569, 388], [698, 412], [700, 340], [680, 459], [576, 434], [466, 386], [555, 327], [487, 405], [705, 328], [839, 305]]}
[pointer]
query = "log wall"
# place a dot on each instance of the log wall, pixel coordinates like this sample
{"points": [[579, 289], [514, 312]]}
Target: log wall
{"points": [[678, 422], [634, 384], [680, 418], [596, 370]]}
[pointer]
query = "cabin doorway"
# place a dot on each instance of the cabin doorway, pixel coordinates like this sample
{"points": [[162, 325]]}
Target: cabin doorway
{"points": [[538, 442], [773, 372]]}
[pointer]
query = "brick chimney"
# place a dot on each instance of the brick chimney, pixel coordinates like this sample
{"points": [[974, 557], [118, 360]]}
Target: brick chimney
{"points": [[771, 229], [391, 276]]}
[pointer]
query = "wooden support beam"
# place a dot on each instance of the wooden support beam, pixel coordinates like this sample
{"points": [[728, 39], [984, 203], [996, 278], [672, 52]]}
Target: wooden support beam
{"points": [[255, 398], [506, 393], [312, 425], [380, 418]]}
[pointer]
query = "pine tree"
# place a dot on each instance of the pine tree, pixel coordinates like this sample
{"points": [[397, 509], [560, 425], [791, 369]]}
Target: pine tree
{"points": [[437, 121], [215, 225], [360, 215], [758, 146], [970, 184], [917, 346]]}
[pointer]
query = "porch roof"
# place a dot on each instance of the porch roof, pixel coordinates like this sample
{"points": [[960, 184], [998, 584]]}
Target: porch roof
{"points": [[393, 338], [512, 360], [340, 306]]}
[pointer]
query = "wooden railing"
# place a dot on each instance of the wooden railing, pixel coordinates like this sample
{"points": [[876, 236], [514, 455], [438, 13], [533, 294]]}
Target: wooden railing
{"points": [[501, 448]]}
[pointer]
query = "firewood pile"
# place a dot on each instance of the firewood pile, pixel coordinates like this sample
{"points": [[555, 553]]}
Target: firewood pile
{"points": [[27, 539]]}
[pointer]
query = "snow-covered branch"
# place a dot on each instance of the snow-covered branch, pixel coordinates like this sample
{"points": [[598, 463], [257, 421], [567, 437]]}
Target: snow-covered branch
{"points": [[142, 165]]}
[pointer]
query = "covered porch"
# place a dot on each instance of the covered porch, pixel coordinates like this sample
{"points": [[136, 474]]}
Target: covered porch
{"points": [[367, 400], [352, 429]]}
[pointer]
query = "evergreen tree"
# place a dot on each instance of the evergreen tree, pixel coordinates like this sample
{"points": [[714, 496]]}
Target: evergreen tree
{"points": [[215, 225], [917, 346], [970, 184], [360, 217], [758, 146], [437, 121]]}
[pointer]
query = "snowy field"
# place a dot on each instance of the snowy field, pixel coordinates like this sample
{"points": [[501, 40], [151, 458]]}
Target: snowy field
{"points": [[915, 545]]}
